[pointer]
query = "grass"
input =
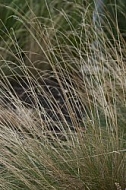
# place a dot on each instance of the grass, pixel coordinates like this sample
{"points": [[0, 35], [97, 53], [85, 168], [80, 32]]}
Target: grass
{"points": [[60, 43]]}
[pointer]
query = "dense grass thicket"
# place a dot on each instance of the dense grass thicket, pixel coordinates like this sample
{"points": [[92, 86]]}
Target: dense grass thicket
{"points": [[62, 95]]}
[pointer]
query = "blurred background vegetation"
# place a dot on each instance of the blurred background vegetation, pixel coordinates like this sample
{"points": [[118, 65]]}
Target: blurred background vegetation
{"points": [[42, 33]]}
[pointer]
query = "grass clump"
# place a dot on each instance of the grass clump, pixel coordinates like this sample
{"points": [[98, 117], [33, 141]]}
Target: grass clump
{"points": [[62, 101]]}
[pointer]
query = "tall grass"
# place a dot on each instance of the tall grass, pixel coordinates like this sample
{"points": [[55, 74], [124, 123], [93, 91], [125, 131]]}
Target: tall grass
{"points": [[36, 151]]}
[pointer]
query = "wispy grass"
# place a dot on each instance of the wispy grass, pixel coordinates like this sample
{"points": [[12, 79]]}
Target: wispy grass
{"points": [[36, 151]]}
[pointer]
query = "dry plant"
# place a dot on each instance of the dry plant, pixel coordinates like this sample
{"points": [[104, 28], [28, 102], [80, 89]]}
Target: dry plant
{"points": [[64, 128]]}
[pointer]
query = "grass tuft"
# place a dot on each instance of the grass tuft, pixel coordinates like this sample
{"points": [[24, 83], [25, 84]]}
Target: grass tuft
{"points": [[62, 100]]}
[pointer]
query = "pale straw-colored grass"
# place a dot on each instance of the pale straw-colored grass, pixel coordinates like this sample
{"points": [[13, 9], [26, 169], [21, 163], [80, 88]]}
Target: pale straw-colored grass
{"points": [[87, 154]]}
